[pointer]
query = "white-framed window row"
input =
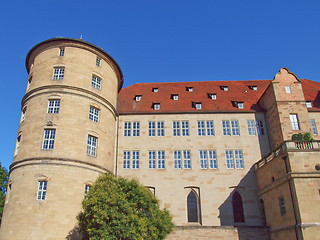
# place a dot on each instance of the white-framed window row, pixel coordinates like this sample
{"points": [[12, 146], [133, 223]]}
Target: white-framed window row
{"points": [[58, 73], [180, 128], [236, 155], [48, 139], [42, 190], [96, 82], [94, 114], [251, 127], [234, 130], [53, 106], [132, 129], [294, 121], [92, 144], [131, 159], [182, 159], [208, 159], [205, 128], [156, 159]]}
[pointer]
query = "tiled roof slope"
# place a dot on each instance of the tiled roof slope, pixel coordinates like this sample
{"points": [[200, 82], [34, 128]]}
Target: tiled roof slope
{"points": [[226, 101]]}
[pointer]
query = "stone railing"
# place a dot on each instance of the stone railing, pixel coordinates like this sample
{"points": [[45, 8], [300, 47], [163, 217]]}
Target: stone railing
{"points": [[291, 146]]}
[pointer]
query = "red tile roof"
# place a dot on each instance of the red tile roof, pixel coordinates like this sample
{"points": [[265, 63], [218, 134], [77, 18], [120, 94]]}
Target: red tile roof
{"points": [[238, 91]]}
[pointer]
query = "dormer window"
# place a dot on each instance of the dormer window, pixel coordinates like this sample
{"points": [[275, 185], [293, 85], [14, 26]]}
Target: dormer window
{"points": [[155, 89], [240, 105], [174, 96], [156, 106], [212, 96], [224, 88], [288, 89], [254, 88], [197, 105], [189, 89], [137, 98], [309, 104]]}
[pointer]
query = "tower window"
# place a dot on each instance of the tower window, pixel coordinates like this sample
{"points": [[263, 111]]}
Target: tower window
{"points": [[18, 145], [96, 82], [48, 139], [98, 62], [53, 106], [58, 73], [94, 114], [24, 111], [42, 190], [29, 82], [61, 51], [92, 146]]}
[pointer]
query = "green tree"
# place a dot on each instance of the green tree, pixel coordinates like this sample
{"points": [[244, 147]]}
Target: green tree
{"points": [[4, 176], [117, 208]]}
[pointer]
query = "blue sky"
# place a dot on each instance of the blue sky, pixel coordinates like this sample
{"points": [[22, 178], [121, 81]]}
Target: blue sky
{"points": [[162, 41]]}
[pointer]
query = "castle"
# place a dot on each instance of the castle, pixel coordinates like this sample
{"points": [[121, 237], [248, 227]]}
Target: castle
{"points": [[219, 155]]}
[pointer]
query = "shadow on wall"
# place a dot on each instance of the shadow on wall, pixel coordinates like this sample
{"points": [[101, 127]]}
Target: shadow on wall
{"points": [[74, 234], [242, 203]]}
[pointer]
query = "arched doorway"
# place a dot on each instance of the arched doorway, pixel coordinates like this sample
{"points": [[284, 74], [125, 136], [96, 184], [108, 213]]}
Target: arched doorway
{"points": [[238, 215], [193, 207]]}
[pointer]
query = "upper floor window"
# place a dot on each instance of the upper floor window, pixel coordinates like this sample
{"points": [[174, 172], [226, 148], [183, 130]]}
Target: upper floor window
{"points": [[235, 128], [61, 51], [127, 129], [282, 206], [224, 88], [98, 61], [240, 105], [251, 127], [42, 190], [92, 146], [205, 128], [156, 106], [260, 127], [288, 89], [255, 88], [186, 159], [159, 130], [53, 106], [17, 145], [189, 89], [137, 98], [96, 82], [126, 159], [185, 128], [135, 129], [197, 105], [23, 116], [229, 159], [94, 114], [294, 121], [239, 159], [156, 157], [155, 89], [212, 96], [313, 127], [127, 155], [29, 82], [226, 128], [135, 159], [206, 155], [58, 73], [48, 139], [309, 104], [175, 96]]}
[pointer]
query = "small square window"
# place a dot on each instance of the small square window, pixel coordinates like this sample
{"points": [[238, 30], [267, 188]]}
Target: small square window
{"points": [[309, 104], [254, 88], [61, 51], [156, 106], [155, 89], [98, 62], [175, 96], [198, 105], [224, 88], [240, 105], [189, 89], [212, 96], [288, 89], [137, 98], [58, 73]]}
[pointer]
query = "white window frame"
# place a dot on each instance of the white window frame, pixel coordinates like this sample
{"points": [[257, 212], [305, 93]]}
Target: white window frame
{"points": [[226, 128], [210, 128], [61, 51], [313, 127], [190, 89], [185, 128], [152, 159], [16, 152], [176, 128], [53, 106], [175, 97], [239, 159], [96, 82], [198, 105], [135, 129], [48, 139], [308, 104], [42, 190], [177, 159], [161, 159], [156, 106], [137, 98], [58, 73], [224, 88], [98, 62], [229, 159], [135, 159], [23, 115], [288, 89], [92, 144], [126, 159], [201, 128], [160, 130], [203, 159], [29, 83], [251, 128], [294, 121], [152, 128], [235, 127], [155, 89], [186, 159], [213, 96], [260, 128], [94, 114], [127, 129], [212, 156], [87, 188], [240, 105]]}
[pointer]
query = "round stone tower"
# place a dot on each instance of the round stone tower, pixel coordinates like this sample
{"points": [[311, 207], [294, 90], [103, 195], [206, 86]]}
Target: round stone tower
{"points": [[66, 137]]}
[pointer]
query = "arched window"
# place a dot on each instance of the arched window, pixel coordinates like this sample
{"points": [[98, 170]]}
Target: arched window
{"points": [[237, 205], [193, 209]]}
